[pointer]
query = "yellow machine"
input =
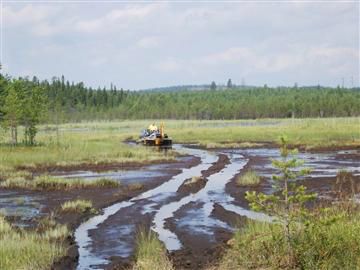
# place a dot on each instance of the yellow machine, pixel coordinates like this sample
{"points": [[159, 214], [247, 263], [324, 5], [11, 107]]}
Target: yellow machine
{"points": [[155, 136]]}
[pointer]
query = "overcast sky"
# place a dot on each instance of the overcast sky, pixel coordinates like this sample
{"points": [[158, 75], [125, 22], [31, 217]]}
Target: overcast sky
{"points": [[144, 45]]}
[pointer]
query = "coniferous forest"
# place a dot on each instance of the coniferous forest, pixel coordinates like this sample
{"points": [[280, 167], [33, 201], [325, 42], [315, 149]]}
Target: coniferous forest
{"points": [[62, 101]]}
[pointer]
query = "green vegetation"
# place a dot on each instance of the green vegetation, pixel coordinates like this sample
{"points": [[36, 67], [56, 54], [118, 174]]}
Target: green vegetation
{"points": [[73, 148], [330, 240], [75, 102], [102, 142], [150, 253], [250, 178], [20, 249], [46, 182], [24, 103], [307, 132], [77, 206], [287, 203], [300, 238]]}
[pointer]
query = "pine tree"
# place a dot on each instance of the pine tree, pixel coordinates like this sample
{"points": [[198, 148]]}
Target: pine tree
{"points": [[287, 203], [229, 84]]}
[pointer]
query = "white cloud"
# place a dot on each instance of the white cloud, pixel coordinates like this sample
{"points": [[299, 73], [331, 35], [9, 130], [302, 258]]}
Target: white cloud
{"points": [[149, 42], [189, 41], [117, 18], [27, 14], [169, 65]]}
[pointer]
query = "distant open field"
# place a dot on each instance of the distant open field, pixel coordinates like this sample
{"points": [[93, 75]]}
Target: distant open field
{"points": [[103, 141]]}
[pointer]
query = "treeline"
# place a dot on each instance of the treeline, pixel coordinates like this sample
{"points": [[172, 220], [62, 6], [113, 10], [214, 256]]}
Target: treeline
{"points": [[243, 103], [67, 101]]}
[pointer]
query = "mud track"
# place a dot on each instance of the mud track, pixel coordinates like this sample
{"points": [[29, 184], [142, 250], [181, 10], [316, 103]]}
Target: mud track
{"points": [[195, 221]]}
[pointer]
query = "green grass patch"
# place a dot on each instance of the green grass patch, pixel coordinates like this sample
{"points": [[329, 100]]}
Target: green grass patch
{"points": [[77, 206], [73, 147], [330, 241], [250, 178], [21, 249], [46, 182], [151, 254]]}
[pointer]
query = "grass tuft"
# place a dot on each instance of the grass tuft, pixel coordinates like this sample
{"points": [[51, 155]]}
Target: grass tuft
{"points": [[21, 249], [106, 183], [46, 182], [77, 206], [150, 253], [250, 178]]}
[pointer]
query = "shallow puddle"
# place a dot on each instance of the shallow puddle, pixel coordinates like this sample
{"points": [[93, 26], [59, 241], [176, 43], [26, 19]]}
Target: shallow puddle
{"points": [[321, 164], [21, 207]]}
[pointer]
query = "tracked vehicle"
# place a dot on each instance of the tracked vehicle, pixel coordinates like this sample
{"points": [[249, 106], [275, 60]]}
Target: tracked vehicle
{"points": [[155, 136]]}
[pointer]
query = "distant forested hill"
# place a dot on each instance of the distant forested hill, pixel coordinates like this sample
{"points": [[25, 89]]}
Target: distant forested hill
{"points": [[74, 102]]}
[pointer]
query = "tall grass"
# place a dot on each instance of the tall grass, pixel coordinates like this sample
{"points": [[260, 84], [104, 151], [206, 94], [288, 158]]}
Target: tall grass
{"points": [[310, 132], [250, 178], [95, 142], [330, 241], [77, 206], [75, 148], [30, 250], [46, 182], [150, 254]]}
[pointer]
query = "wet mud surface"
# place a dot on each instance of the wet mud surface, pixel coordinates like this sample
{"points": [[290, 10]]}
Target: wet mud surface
{"points": [[194, 221], [25, 208]]}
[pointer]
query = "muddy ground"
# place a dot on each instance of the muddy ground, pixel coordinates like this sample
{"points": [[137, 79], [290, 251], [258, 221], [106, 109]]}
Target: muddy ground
{"points": [[140, 221], [51, 201], [198, 251]]}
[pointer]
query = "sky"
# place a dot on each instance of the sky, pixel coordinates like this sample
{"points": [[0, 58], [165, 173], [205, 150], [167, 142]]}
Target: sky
{"points": [[139, 45]]}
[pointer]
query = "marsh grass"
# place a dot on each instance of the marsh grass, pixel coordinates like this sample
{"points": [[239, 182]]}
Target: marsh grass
{"points": [[94, 142], [150, 253], [330, 241], [21, 249], [77, 206], [46, 182], [250, 178], [76, 148], [8, 172], [313, 132]]}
